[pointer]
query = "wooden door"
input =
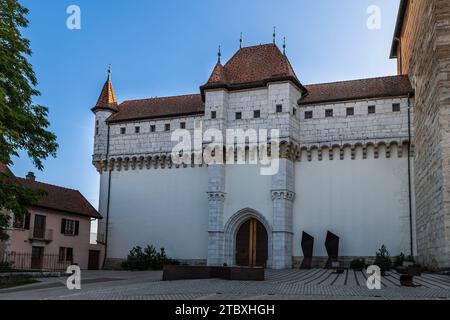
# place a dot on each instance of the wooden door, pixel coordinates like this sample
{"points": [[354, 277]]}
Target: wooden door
{"points": [[37, 257], [39, 226], [251, 244], [94, 259]]}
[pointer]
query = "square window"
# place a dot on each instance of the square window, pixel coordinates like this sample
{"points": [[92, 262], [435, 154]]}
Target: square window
{"points": [[152, 128], [256, 114], [167, 127], [328, 113], [182, 125], [396, 107], [137, 129], [69, 227], [279, 108], [213, 114], [350, 111], [371, 109], [308, 114], [123, 130], [238, 115]]}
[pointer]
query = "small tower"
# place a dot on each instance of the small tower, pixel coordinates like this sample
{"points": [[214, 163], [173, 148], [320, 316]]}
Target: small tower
{"points": [[106, 105]]}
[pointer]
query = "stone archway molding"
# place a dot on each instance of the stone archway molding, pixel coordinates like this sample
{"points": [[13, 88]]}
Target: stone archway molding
{"points": [[231, 228]]}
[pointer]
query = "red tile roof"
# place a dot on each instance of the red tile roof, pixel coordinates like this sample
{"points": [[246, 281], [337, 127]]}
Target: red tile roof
{"points": [[250, 67], [4, 169], [107, 99], [392, 86], [163, 107], [61, 199]]}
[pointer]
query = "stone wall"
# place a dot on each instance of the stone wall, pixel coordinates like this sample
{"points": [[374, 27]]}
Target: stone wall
{"points": [[426, 41], [383, 125]]}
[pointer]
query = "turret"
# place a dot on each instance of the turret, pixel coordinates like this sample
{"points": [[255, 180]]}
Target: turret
{"points": [[103, 109]]}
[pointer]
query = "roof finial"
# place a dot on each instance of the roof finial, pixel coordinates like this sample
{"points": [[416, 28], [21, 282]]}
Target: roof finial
{"points": [[109, 71], [284, 45], [274, 34], [240, 42], [219, 54]]}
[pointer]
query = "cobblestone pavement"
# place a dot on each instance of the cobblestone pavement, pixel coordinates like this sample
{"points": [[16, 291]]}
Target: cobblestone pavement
{"points": [[279, 284]]}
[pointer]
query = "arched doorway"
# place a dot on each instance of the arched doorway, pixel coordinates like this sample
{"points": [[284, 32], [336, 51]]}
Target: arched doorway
{"points": [[252, 244]]}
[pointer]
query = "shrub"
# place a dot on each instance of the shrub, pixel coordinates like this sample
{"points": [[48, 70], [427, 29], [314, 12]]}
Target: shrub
{"points": [[147, 258], [383, 259], [5, 266], [358, 264], [398, 262]]}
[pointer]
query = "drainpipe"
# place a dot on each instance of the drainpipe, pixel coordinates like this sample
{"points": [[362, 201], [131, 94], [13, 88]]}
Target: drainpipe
{"points": [[107, 200], [411, 240]]}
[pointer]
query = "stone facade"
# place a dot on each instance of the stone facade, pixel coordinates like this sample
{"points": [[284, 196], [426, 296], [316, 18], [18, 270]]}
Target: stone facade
{"points": [[423, 53], [195, 210]]}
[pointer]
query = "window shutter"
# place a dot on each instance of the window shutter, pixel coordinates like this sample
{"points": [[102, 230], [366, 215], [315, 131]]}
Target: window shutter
{"points": [[63, 225], [27, 221], [77, 225]]}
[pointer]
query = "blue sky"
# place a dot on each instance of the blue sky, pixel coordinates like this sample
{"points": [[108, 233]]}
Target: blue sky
{"points": [[159, 48]]}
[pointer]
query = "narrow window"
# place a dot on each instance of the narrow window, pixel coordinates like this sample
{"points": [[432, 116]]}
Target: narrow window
{"points": [[69, 254], [96, 122], [96, 130], [350, 111], [152, 128], [213, 114], [396, 107], [182, 125], [256, 114], [371, 109], [238, 115], [294, 111], [167, 127], [137, 129], [308, 114], [123, 130], [328, 113], [279, 108]]}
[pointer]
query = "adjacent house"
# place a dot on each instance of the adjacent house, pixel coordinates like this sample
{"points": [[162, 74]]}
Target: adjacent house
{"points": [[55, 233]]}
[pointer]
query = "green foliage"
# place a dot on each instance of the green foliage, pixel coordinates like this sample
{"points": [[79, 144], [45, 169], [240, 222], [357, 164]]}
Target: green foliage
{"points": [[5, 266], [147, 258], [22, 124], [402, 258], [383, 259], [358, 264]]}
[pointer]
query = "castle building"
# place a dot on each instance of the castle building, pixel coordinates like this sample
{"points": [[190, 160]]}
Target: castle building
{"points": [[347, 163]]}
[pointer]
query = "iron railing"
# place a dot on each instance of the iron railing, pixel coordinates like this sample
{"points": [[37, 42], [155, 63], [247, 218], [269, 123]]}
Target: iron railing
{"points": [[41, 234], [14, 261]]}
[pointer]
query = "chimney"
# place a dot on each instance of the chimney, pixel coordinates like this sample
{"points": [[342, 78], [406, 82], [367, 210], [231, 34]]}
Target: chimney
{"points": [[31, 176]]}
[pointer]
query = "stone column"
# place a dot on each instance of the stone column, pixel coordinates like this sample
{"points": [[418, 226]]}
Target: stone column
{"points": [[216, 200], [283, 186]]}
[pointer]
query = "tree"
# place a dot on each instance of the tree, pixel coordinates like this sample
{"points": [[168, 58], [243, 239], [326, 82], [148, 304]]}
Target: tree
{"points": [[23, 125]]}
